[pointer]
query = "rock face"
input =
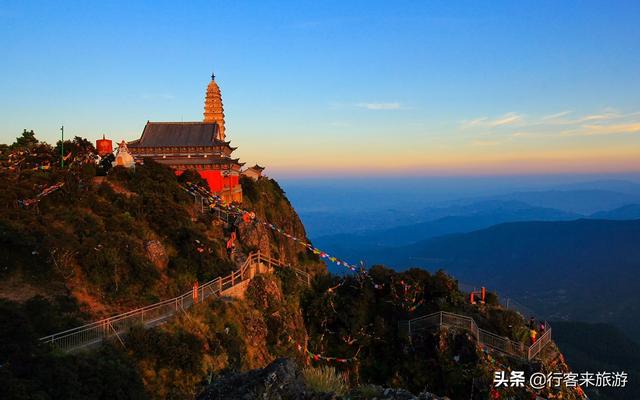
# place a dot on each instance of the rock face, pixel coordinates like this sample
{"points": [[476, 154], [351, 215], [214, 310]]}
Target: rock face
{"points": [[281, 380], [157, 254], [269, 202]]}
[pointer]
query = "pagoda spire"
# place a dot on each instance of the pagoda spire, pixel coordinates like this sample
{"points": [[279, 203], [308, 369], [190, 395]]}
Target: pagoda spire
{"points": [[213, 109]]}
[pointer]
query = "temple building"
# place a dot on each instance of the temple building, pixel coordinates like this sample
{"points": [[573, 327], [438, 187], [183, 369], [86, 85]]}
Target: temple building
{"points": [[195, 145], [104, 146], [124, 158], [254, 172]]}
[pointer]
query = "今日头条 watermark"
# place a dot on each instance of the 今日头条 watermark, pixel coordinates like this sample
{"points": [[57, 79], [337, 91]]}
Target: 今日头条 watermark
{"points": [[540, 380]]}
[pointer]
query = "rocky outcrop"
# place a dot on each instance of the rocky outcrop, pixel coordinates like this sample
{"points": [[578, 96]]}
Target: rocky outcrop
{"points": [[269, 202], [281, 380], [265, 294], [157, 254], [283, 318]]}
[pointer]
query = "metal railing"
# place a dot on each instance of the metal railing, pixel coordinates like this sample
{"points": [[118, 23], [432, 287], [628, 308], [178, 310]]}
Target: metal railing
{"points": [[441, 318], [489, 339], [506, 302], [155, 314], [228, 216], [537, 347]]}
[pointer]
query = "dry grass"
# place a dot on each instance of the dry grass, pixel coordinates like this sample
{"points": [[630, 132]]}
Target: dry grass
{"points": [[325, 379]]}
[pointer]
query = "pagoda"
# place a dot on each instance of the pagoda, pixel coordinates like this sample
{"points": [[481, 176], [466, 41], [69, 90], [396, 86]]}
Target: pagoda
{"points": [[195, 145]]}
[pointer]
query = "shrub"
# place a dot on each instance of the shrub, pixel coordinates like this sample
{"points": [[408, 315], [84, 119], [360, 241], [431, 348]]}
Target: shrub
{"points": [[325, 379], [191, 175], [29, 370], [249, 189], [365, 392]]}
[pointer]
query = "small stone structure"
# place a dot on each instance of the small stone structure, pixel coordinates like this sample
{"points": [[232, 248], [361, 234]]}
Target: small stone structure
{"points": [[238, 291], [254, 172]]}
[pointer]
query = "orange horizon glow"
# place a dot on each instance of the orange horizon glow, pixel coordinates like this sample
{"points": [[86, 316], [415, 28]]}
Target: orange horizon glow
{"points": [[574, 161]]}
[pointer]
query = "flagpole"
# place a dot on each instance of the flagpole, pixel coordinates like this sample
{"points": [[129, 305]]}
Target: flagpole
{"points": [[62, 147]]}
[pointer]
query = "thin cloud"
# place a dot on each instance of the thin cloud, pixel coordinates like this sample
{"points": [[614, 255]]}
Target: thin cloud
{"points": [[510, 118], [556, 115], [533, 134], [507, 119], [600, 117], [491, 131], [380, 106], [596, 130], [474, 122], [607, 114]]}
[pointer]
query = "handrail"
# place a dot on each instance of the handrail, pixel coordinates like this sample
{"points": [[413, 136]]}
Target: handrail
{"points": [[489, 339], [506, 302], [95, 332], [154, 314], [537, 347], [482, 336], [226, 215]]}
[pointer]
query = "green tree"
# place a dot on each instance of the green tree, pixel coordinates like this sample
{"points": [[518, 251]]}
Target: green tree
{"points": [[76, 146], [191, 175], [26, 140]]}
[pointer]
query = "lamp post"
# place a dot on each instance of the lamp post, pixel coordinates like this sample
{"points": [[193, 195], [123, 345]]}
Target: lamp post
{"points": [[62, 147]]}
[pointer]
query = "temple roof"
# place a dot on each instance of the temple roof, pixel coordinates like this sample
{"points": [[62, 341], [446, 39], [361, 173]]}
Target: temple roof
{"points": [[199, 160], [167, 134]]}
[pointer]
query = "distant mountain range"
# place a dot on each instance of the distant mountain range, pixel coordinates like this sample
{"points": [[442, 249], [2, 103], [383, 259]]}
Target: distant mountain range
{"points": [[545, 249], [559, 203], [611, 185], [571, 253], [584, 202], [460, 218], [630, 211], [447, 220], [569, 270]]}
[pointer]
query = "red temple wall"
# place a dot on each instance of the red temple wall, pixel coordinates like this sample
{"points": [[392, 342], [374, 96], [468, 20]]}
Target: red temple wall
{"points": [[234, 181], [215, 179]]}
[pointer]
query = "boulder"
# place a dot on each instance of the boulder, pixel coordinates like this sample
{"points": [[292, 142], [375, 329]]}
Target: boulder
{"points": [[280, 380]]}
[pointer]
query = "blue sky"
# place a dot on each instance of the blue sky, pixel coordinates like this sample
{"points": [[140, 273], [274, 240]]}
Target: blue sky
{"points": [[320, 87]]}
